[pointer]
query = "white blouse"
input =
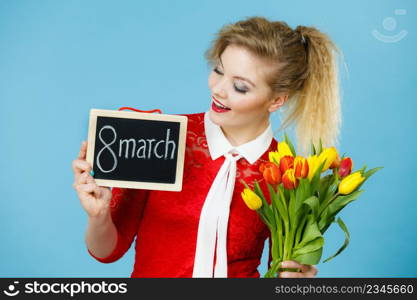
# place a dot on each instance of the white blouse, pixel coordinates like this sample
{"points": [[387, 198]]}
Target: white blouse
{"points": [[215, 213]]}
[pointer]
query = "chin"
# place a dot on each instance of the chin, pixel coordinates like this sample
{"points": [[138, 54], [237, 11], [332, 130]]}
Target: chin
{"points": [[215, 118]]}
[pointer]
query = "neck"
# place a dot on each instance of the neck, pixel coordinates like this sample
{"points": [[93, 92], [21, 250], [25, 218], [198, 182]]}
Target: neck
{"points": [[238, 136]]}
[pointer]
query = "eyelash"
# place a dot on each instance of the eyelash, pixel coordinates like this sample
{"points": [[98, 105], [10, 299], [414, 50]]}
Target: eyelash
{"points": [[236, 88]]}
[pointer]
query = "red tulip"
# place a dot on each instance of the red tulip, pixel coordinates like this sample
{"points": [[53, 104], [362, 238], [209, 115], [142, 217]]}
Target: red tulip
{"points": [[288, 180], [300, 167], [271, 173], [286, 162], [262, 167], [345, 167]]}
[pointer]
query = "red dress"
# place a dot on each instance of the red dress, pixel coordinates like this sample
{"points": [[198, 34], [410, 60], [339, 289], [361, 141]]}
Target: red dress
{"points": [[165, 223]]}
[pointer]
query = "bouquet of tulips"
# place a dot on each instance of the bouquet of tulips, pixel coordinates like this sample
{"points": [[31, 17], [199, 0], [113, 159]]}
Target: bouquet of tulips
{"points": [[305, 194]]}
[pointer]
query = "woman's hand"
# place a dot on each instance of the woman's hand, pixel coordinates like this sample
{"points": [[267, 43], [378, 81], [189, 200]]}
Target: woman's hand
{"points": [[94, 199], [305, 271]]}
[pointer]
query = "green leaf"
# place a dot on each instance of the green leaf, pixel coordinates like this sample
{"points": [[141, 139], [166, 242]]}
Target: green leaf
{"points": [[275, 161], [345, 244], [278, 202], [324, 223], [369, 173], [310, 246], [257, 189], [292, 209], [266, 221], [301, 193], [276, 213], [313, 149], [300, 228], [277, 236], [287, 195], [327, 190], [327, 215], [331, 193], [288, 141], [313, 203], [311, 258], [320, 149], [265, 206], [363, 169], [311, 233], [324, 185], [341, 201]]}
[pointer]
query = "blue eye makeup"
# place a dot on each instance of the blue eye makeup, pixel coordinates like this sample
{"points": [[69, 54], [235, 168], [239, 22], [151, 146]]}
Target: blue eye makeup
{"points": [[241, 90]]}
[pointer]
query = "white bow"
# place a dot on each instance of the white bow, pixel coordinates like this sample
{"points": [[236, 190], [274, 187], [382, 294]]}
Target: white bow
{"points": [[213, 222]]}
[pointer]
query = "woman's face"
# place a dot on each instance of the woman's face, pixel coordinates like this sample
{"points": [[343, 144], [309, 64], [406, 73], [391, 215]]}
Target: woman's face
{"points": [[240, 94]]}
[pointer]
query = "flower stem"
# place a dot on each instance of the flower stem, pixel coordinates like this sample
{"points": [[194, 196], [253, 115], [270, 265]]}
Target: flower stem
{"points": [[327, 204]]}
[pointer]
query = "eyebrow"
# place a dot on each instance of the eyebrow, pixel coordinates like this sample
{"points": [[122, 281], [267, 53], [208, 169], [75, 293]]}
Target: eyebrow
{"points": [[239, 77]]}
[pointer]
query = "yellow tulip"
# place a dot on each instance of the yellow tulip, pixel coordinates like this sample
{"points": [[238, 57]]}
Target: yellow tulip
{"points": [[328, 155], [251, 199], [350, 182], [284, 149], [313, 163], [289, 181], [274, 157]]}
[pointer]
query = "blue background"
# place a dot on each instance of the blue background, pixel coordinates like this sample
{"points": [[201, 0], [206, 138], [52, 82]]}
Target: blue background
{"points": [[58, 59]]}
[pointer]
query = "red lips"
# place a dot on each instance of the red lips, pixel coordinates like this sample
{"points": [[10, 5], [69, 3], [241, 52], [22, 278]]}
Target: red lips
{"points": [[217, 106]]}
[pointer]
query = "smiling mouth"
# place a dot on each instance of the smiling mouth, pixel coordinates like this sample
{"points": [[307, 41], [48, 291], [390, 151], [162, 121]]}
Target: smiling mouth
{"points": [[218, 105]]}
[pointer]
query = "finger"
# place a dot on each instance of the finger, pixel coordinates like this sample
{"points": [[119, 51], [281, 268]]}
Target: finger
{"points": [[86, 188], [306, 268], [309, 269], [83, 150], [291, 264], [85, 197], [313, 270], [97, 191], [291, 275], [90, 178], [80, 166], [81, 179]]}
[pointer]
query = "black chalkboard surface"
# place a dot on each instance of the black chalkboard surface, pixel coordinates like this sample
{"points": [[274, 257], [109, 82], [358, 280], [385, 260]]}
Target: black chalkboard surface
{"points": [[137, 150]]}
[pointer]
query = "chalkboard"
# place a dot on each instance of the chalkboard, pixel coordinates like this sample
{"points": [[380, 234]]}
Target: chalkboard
{"points": [[137, 150]]}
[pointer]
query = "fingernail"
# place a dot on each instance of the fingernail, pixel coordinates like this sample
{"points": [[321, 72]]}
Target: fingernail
{"points": [[92, 173]]}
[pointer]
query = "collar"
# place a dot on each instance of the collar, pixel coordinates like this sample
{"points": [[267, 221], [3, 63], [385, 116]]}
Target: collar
{"points": [[219, 145]]}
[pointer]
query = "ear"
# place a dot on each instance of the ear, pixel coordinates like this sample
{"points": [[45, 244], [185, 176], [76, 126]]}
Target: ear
{"points": [[277, 102]]}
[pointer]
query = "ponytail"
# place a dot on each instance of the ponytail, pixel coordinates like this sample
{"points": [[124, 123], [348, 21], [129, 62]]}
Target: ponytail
{"points": [[315, 108]]}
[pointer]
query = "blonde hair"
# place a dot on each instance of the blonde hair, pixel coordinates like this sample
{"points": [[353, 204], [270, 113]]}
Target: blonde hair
{"points": [[306, 70]]}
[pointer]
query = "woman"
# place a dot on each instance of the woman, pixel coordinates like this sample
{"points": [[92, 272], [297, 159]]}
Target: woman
{"points": [[206, 230]]}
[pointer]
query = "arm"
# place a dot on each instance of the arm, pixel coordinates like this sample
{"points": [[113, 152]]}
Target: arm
{"points": [[101, 236], [109, 238], [113, 215]]}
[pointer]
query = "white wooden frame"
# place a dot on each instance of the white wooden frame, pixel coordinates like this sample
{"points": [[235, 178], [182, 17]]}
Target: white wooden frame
{"points": [[177, 186]]}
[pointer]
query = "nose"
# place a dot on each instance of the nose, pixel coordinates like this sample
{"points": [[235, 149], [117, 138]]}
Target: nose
{"points": [[218, 89]]}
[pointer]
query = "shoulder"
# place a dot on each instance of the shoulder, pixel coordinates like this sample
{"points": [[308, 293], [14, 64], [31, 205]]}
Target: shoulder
{"points": [[195, 122], [196, 117]]}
